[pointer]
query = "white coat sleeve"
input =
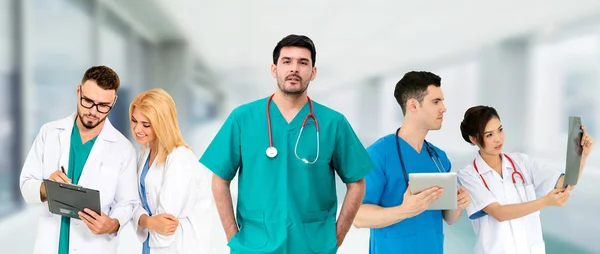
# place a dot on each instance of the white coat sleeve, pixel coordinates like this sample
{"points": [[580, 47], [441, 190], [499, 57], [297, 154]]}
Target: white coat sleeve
{"points": [[141, 232], [544, 177], [481, 197], [206, 209], [127, 198], [31, 177], [181, 179]]}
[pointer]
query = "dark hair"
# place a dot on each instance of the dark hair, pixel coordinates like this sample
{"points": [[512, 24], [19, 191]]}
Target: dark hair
{"points": [[474, 122], [104, 76], [294, 40], [414, 86]]}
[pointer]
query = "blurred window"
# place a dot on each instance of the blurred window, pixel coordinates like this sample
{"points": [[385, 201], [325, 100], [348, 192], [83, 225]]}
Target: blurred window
{"points": [[63, 51], [115, 48], [8, 114]]}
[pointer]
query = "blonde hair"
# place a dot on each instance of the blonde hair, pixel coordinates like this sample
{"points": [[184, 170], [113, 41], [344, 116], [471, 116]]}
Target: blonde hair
{"points": [[158, 106]]}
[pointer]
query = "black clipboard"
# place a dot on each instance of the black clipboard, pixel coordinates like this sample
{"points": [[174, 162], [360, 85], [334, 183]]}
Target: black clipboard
{"points": [[574, 151], [68, 199]]}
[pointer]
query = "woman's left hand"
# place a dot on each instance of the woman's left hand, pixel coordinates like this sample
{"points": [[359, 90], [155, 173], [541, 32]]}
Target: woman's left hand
{"points": [[586, 143]]}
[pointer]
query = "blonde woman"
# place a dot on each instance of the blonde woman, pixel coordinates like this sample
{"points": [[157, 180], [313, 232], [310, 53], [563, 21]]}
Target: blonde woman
{"points": [[175, 193]]}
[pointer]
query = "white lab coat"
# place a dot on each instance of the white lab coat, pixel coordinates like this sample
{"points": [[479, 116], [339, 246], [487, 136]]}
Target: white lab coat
{"points": [[180, 187], [522, 235], [110, 168]]}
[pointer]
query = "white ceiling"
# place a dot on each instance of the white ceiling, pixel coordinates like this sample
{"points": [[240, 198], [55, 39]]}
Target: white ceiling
{"points": [[358, 39]]}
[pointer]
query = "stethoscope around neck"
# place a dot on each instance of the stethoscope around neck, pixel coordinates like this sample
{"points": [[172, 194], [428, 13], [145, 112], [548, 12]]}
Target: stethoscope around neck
{"points": [[514, 173], [430, 151], [272, 151]]}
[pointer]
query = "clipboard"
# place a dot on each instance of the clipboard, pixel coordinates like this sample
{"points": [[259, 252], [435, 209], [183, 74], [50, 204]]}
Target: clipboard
{"points": [[574, 151], [68, 199]]}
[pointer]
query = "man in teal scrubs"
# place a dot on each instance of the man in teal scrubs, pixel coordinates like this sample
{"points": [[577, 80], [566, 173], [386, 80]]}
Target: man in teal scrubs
{"points": [[398, 220], [84, 149], [287, 200], [78, 154]]}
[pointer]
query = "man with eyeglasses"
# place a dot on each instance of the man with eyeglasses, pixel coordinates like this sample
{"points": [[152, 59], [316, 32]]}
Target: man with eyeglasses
{"points": [[84, 149]]}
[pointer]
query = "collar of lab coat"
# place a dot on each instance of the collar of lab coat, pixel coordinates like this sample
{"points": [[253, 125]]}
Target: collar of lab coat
{"points": [[108, 132], [483, 167]]}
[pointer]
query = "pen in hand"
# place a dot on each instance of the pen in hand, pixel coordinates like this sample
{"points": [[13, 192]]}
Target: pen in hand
{"points": [[66, 179]]}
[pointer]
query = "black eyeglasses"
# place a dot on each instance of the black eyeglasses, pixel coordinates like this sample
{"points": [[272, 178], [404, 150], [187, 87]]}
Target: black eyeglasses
{"points": [[87, 103]]}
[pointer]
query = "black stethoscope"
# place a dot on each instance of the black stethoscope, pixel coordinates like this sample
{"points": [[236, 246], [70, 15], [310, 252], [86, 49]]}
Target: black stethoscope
{"points": [[430, 151], [272, 151]]}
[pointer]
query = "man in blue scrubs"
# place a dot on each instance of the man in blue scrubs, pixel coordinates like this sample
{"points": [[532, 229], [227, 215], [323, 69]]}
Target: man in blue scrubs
{"points": [[286, 150], [398, 220]]}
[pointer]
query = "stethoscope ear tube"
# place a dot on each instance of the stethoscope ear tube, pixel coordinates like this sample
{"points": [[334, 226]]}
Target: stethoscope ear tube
{"points": [[271, 151], [429, 151]]}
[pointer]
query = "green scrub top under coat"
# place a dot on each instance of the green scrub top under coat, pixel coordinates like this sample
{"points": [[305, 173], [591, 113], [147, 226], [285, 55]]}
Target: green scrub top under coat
{"points": [[78, 155], [285, 205]]}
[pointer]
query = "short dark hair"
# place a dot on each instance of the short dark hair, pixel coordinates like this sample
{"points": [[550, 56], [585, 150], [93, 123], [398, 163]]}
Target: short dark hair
{"points": [[294, 40], [414, 86], [104, 76], [474, 122]]}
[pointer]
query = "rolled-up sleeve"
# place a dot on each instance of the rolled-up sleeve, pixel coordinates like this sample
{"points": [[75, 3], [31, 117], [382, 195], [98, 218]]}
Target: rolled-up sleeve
{"points": [[481, 197]]}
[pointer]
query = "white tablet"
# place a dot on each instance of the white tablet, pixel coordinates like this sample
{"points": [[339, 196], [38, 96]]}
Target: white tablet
{"points": [[448, 181]]}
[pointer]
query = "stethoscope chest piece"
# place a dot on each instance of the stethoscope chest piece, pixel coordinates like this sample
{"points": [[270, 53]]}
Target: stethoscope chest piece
{"points": [[271, 152]]}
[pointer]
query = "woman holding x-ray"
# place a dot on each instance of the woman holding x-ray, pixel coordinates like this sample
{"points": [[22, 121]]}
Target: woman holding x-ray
{"points": [[504, 187]]}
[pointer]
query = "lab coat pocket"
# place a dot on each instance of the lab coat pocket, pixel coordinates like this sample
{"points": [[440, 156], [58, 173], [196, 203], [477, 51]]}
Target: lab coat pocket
{"points": [[109, 173], [320, 231], [253, 232]]}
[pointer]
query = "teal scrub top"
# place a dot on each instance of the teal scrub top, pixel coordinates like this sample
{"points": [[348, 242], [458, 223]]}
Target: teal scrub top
{"points": [[422, 234], [78, 155], [285, 205]]}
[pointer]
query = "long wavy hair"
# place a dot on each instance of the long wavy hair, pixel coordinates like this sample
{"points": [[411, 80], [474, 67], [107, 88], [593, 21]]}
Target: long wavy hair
{"points": [[158, 106]]}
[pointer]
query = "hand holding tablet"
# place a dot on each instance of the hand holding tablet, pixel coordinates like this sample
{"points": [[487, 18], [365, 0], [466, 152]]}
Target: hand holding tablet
{"points": [[446, 181]]}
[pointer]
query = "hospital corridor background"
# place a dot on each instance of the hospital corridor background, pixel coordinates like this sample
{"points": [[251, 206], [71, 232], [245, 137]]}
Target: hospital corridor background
{"points": [[537, 62]]}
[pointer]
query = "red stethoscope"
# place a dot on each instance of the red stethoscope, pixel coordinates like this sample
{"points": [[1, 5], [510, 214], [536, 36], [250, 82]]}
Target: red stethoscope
{"points": [[272, 151], [514, 173]]}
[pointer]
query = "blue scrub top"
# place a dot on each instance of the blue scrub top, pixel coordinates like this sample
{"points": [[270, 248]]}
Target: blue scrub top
{"points": [[146, 244], [386, 186]]}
